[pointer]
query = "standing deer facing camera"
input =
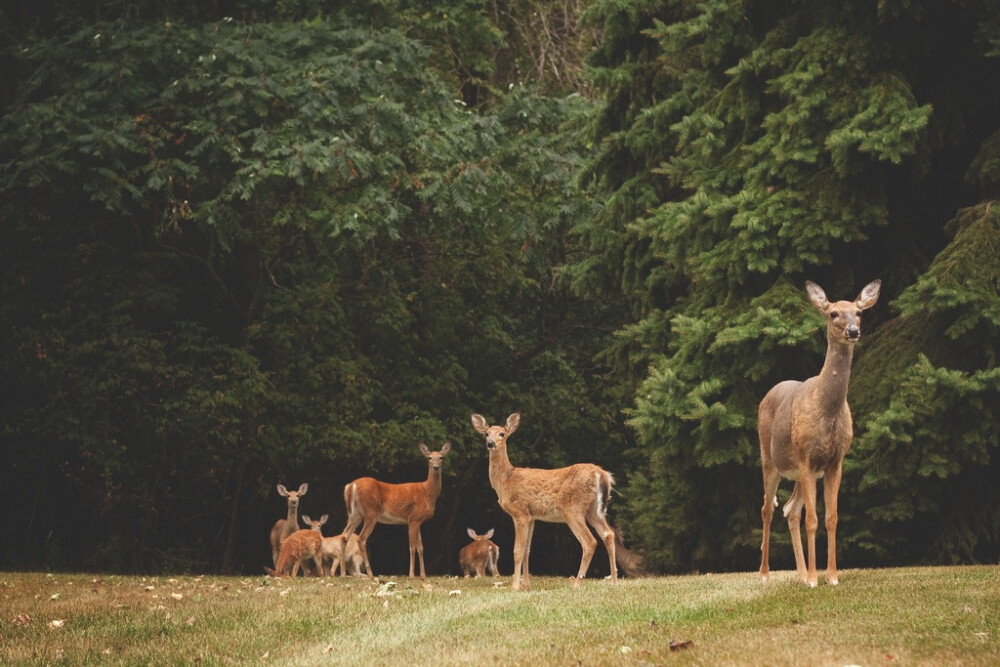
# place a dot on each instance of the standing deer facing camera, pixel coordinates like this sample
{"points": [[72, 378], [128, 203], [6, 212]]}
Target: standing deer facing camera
{"points": [[576, 496], [284, 527], [805, 430], [374, 502]]}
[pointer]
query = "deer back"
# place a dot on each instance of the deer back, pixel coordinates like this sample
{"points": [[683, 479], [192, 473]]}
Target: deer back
{"points": [[549, 494], [302, 544]]}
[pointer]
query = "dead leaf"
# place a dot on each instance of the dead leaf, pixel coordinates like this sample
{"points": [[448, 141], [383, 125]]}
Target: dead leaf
{"points": [[22, 621], [57, 623], [454, 593], [177, 596], [677, 645]]}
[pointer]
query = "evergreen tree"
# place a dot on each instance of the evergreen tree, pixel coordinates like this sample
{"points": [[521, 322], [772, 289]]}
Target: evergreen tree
{"points": [[813, 140]]}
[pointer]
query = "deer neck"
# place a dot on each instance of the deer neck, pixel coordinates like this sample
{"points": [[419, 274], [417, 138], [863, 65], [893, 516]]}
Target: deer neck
{"points": [[292, 520], [433, 484], [500, 468], [835, 377]]}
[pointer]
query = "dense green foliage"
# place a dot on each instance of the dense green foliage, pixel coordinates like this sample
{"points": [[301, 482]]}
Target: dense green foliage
{"points": [[241, 254], [250, 242], [829, 141]]}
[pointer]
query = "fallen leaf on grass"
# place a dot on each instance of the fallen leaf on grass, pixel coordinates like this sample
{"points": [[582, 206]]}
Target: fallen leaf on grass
{"points": [[677, 645], [177, 596], [454, 593], [22, 621], [55, 596], [57, 623]]}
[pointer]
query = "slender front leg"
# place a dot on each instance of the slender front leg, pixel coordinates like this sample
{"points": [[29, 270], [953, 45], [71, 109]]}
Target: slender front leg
{"points": [[831, 490], [527, 553], [522, 528], [807, 483]]}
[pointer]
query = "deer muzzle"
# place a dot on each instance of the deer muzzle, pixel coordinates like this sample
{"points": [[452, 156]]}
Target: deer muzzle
{"points": [[853, 332]]}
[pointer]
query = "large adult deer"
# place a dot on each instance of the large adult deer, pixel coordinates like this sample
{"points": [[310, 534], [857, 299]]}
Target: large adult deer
{"points": [[284, 527], [373, 502], [576, 496], [805, 430]]}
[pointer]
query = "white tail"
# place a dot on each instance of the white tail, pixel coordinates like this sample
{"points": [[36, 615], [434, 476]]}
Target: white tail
{"points": [[371, 501], [284, 527], [301, 548], [480, 554], [805, 430], [576, 496]]}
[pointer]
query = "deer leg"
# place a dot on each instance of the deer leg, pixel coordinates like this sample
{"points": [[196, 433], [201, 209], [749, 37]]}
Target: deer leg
{"points": [[416, 545], [522, 529], [831, 489], [793, 512], [808, 485], [363, 545], [771, 479], [527, 552], [600, 524], [579, 527]]}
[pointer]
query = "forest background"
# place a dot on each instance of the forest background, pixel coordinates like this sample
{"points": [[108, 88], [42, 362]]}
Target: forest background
{"points": [[250, 242]]}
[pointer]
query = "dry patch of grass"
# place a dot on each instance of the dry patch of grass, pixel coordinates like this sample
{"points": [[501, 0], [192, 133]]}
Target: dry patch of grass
{"points": [[875, 617]]}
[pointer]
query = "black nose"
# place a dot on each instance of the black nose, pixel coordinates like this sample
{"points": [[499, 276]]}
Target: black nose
{"points": [[853, 332], [490, 444]]}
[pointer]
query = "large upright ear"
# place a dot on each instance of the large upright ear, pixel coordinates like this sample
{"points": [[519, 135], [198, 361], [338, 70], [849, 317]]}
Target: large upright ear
{"points": [[424, 450], [445, 448], [489, 533], [323, 519], [817, 296], [479, 423], [305, 519], [869, 295], [513, 422], [303, 489], [282, 491], [471, 533]]}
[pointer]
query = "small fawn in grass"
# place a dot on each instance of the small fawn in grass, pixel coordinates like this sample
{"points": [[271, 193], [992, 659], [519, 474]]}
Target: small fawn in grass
{"points": [[479, 554], [301, 547]]}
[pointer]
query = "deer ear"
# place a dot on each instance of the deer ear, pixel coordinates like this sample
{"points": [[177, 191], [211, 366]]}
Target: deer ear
{"points": [[424, 450], [479, 423], [471, 533], [513, 422], [323, 519], [303, 489], [489, 533], [869, 295], [445, 448], [306, 520], [282, 491], [816, 295]]}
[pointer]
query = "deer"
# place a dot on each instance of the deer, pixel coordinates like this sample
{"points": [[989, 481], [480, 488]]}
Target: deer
{"points": [[345, 556], [805, 431], [301, 547], [479, 554], [317, 525], [575, 495], [374, 502], [284, 527]]}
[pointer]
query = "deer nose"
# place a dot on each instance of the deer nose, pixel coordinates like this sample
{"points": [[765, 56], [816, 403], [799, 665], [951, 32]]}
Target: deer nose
{"points": [[490, 444], [853, 332]]}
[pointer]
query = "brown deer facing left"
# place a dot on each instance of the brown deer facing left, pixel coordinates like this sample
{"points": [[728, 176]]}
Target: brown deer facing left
{"points": [[372, 502], [284, 527], [805, 431]]}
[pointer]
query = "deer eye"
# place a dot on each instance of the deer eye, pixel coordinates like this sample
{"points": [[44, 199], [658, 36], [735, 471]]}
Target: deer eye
{"points": [[857, 314], [834, 315]]}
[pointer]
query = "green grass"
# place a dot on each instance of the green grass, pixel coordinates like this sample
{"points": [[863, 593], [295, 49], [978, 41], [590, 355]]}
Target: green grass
{"points": [[905, 616]]}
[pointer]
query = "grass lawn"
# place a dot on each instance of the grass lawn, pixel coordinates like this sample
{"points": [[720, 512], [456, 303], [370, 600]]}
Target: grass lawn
{"points": [[904, 616]]}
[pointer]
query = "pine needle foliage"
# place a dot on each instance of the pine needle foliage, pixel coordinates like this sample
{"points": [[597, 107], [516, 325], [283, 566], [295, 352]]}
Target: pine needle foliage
{"points": [[747, 146]]}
